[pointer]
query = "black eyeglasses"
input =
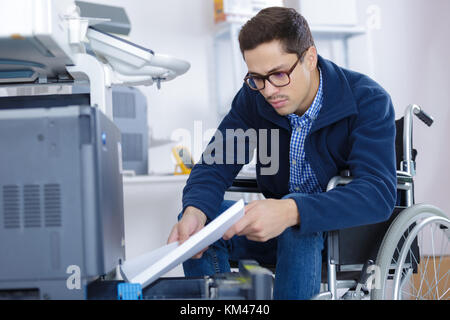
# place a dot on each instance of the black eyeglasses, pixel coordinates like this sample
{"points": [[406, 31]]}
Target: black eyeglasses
{"points": [[276, 78]]}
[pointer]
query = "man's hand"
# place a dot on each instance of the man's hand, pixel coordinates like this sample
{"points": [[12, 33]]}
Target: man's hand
{"points": [[193, 220], [265, 219]]}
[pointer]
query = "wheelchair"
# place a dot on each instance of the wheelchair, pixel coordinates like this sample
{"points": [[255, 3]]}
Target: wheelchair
{"points": [[404, 258]]}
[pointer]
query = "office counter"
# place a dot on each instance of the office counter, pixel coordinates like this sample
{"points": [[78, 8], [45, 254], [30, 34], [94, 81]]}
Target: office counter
{"points": [[151, 205]]}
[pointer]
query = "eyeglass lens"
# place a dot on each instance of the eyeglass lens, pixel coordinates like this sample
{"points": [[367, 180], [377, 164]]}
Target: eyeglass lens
{"points": [[278, 79]]}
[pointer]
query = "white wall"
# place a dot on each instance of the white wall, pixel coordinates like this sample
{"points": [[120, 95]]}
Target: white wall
{"points": [[411, 61]]}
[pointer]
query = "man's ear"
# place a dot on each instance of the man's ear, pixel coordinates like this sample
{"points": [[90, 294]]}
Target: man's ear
{"points": [[310, 58]]}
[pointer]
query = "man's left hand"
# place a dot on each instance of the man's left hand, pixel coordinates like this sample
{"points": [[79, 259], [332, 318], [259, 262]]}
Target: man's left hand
{"points": [[265, 219]]}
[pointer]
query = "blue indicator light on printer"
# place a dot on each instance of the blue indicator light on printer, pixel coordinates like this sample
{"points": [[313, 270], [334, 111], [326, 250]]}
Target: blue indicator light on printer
{"points": [[104, 138]]}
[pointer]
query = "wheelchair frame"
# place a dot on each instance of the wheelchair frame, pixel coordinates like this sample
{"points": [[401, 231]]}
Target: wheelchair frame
{"points": [[404, 221], [405, 182]]}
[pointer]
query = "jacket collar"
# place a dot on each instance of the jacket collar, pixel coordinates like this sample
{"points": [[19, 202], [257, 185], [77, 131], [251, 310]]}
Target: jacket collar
{"points": [[338, 101]]}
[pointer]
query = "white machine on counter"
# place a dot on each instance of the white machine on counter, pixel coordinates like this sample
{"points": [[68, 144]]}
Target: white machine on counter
{"points": [[44, 41], [61, 193]]}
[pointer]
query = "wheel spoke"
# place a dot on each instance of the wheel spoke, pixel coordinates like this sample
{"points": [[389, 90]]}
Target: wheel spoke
{"points": [[430, 290], [443, 295], [423, 275], [418, 234], [434, 260]]}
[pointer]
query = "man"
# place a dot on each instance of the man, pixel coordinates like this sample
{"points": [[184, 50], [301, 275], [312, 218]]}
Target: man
{"points": [[327, 119]]}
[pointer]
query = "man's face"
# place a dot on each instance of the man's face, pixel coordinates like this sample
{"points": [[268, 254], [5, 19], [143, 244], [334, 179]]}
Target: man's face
{"points": [[298, 95]]}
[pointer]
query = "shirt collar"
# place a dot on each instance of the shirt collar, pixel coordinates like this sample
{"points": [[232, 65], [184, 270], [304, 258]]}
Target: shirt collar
{"points": [[314, 109]]}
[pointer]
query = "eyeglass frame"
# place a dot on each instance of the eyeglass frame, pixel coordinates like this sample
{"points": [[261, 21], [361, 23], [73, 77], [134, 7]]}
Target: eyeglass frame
{"points": [[266, 77]]}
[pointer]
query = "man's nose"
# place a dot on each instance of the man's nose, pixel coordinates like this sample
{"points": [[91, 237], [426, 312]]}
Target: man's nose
{"points": [[269, 89]]}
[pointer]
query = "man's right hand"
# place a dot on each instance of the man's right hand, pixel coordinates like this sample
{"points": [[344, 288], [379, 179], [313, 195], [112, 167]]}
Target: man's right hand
{"points": [[192, 221]]}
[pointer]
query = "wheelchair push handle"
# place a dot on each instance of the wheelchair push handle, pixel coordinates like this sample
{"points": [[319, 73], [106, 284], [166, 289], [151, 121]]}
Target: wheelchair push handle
{"points": [[408, 164], [428, 120]]}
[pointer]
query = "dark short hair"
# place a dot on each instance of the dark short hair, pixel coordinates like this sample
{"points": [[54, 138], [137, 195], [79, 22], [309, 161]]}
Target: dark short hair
{"points": [[277, 23]]}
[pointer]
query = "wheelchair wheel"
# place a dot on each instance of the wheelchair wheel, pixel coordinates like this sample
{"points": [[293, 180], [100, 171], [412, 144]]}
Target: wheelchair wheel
{"points": [[414, 257]]}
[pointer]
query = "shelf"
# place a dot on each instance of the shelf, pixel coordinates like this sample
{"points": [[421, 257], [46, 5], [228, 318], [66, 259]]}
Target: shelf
{"points": [[337, 31], [145, 179], [222, 29]]}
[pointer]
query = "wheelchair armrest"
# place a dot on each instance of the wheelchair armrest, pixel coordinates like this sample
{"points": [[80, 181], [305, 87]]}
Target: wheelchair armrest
{"points": [[404, 180], [404, 177], [249, 184], [244, 184], [338, 180]]}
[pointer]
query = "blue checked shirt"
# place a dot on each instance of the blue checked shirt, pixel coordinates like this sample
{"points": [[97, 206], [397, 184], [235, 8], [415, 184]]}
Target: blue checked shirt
{"points": [[302, 178]]}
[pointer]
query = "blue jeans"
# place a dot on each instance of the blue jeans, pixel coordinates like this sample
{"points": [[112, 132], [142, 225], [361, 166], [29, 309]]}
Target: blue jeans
{"points": [[298, 260]]}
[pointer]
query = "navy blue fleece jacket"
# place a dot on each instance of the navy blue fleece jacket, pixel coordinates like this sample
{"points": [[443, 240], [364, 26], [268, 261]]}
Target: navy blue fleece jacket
{"points": [[354, 130]]}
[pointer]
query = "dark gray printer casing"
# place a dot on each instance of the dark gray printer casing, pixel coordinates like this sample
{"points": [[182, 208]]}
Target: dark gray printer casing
{"points": [[61, 201]]}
